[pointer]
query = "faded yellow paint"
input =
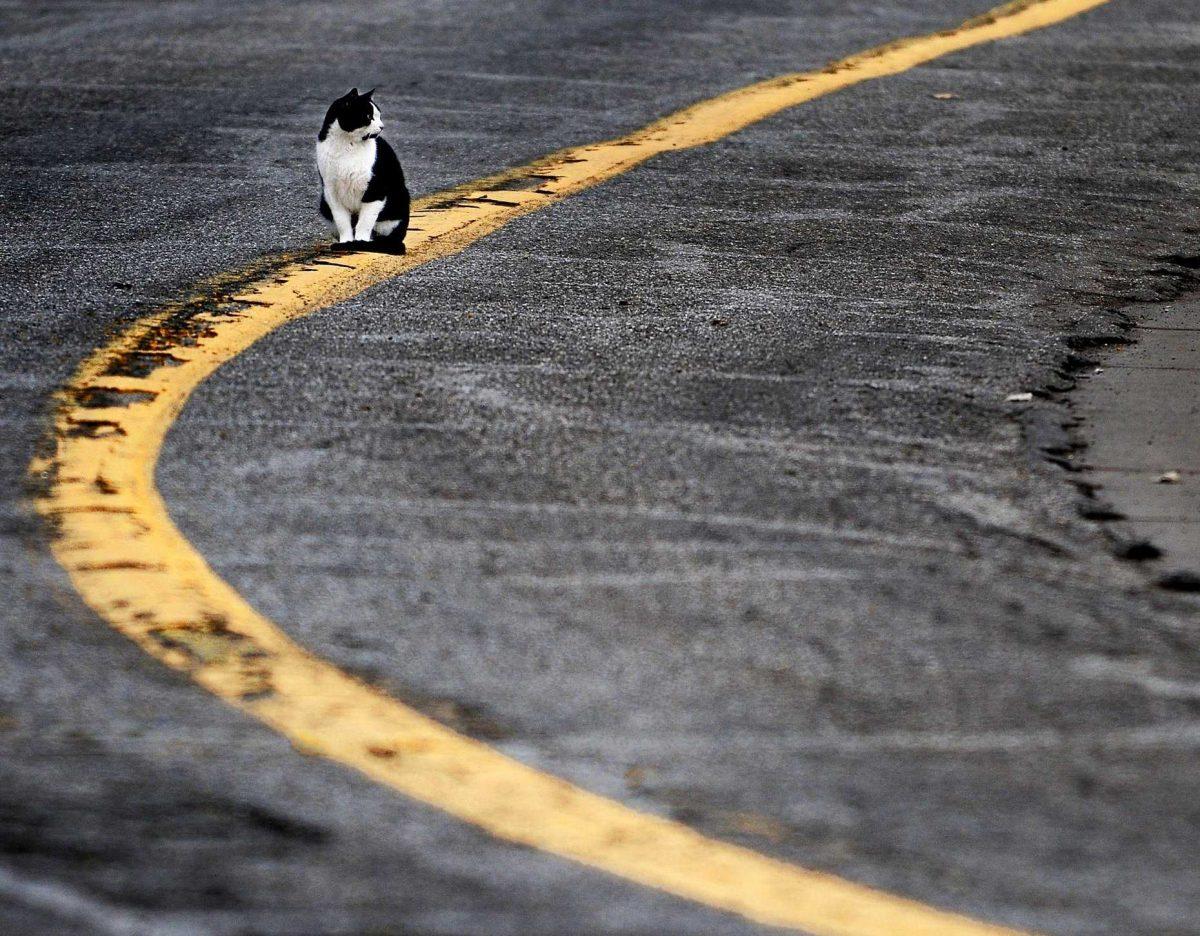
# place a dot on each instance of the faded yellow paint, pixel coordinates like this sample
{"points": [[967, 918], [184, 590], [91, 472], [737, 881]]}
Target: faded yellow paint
{"points": [[135, 569]]}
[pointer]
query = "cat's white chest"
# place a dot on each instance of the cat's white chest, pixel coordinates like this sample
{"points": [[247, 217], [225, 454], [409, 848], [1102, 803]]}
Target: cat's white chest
{"points": [[346, 170]]}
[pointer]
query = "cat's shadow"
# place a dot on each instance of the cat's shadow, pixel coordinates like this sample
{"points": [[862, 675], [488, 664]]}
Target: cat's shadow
{"points": [[379, 246]]}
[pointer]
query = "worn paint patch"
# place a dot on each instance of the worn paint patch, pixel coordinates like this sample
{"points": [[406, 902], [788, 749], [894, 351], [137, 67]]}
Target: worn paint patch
{"points": [[112, 533]]}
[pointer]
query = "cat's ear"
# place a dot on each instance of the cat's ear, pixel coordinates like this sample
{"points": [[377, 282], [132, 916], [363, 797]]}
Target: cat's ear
{"points": [[353, 92], [369, 93]]}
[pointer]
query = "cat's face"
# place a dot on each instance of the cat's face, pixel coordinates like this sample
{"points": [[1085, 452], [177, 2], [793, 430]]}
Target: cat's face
{"points": [[357, 114]]}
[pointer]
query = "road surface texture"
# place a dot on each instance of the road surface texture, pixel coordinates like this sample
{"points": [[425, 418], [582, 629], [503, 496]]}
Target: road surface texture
{"points": [[700, 489], [1141, 412]]}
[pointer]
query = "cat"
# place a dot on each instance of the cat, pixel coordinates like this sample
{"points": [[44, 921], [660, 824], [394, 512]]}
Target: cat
{"points": [[363, 194]]}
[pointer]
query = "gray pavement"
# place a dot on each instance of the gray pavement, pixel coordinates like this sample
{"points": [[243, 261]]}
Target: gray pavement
{"points": [[1141, 414], [699, 489]]}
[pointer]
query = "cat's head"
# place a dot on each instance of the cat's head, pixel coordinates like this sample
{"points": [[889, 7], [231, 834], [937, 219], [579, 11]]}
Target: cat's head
{"points": [[355, 115]]}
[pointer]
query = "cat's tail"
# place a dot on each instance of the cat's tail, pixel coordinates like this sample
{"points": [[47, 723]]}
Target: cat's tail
{"points": [[391, 243]]}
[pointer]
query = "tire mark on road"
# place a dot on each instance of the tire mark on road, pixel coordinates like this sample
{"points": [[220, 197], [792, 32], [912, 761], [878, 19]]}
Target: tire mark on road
{"points": [[114, 537]]}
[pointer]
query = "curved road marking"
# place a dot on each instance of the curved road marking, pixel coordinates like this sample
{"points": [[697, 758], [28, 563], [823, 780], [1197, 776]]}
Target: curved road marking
{"points": [[136, 570]]}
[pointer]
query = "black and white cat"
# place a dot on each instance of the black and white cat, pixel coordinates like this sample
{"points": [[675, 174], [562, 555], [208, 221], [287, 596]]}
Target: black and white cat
{"points": [[362, 185]]}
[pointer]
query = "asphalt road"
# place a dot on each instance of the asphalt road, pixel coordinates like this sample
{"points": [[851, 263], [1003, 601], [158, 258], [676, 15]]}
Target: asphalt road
{"points": [[699, 489]]}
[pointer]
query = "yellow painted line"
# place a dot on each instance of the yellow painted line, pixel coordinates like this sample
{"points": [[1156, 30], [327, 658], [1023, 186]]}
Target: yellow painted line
{"points": [[130, 563]]}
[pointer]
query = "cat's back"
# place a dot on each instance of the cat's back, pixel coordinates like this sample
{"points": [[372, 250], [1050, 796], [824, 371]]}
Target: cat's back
{"points": [[387, 165]]}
